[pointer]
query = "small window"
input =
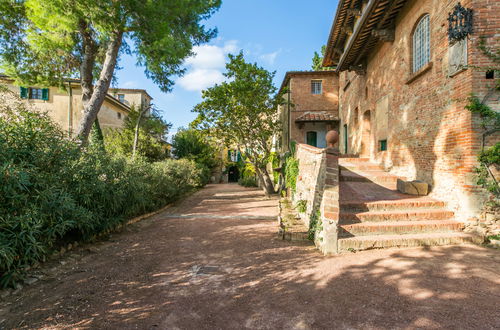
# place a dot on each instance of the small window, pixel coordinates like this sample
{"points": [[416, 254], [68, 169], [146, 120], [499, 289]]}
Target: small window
{"points": [[316, 87], [312, 139], [119, 115], [121, 98], [421, 44], [37, 93], [490, 74], [383, 145]]}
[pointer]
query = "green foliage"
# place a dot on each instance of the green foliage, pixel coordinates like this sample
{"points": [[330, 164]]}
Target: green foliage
{"points": [[488, 157], [275, 161], [47, 41], [247, 174], [195, 145], [315, 225], [52, 191], [291, 172], [494, 237], [488, 116], [243, 111], [152, 142], [301, 206], [317, 61], [96, 138]]}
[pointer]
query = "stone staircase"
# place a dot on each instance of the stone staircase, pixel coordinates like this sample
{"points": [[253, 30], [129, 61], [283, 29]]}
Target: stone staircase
{"points": [[373, 214]]}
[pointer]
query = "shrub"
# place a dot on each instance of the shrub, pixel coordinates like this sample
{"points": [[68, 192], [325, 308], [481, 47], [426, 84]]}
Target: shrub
{"points": [[291, 172], [52, 191]]}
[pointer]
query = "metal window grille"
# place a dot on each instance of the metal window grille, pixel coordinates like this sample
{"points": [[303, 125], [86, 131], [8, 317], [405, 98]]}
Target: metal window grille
{"points": [[316, 87], [421, 44], [36, 94]]}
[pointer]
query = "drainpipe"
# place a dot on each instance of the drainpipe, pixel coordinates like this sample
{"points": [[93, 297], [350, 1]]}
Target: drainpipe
{"points": [[70, 110]]}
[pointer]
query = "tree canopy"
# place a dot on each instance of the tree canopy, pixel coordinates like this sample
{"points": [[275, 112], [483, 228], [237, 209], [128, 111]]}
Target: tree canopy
{"points": [[317, 61], [194, 145], [242, 111], [45, 42]]}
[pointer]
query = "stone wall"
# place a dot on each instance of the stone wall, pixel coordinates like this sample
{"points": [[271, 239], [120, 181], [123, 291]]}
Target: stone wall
{"points": [[430, 135], [318, 186]]}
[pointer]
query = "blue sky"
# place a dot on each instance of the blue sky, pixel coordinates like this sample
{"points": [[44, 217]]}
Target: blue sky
{"points": [[280, 35]]}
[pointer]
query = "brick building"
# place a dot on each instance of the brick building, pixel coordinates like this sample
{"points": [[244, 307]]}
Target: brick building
{"points": [[311, 109], [65, 106], [403, 88]]}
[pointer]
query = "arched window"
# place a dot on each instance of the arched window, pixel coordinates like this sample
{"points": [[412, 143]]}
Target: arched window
{"points": [[421, 44]]}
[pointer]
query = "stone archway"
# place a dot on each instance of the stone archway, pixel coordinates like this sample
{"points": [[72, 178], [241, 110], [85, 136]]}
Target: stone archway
{"points": [[366, 127]]}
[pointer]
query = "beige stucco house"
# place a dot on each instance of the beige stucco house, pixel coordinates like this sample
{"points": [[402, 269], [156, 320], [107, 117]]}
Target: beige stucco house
{"points": [[65, 106]]}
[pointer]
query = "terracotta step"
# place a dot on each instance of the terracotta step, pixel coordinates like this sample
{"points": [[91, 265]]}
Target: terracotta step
{"points": [[372, 176], [388, 205], [412, 240], [399, 228], [407, 215], [353, 160], [361, 167]]}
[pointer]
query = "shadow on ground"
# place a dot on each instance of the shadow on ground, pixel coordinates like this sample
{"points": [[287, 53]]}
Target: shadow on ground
{"points": [[229, 273]]}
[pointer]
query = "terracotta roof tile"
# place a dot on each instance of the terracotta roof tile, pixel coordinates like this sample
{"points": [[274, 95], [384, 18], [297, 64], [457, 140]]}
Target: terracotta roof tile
{"points": [[316, 116]]}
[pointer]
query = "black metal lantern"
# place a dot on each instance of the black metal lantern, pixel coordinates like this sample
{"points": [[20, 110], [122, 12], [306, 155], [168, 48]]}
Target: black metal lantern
{"points": [[460, 23]]}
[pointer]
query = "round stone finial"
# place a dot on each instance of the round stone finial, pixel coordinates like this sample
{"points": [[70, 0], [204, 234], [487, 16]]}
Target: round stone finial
{"points": [[332, 137]]}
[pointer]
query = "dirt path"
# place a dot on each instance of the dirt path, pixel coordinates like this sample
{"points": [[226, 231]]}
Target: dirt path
{"points": [[214, 262]]}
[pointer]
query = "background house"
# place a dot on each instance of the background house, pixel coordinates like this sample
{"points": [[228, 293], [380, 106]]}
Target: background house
{"points": [[311, 107], [65, 106]]}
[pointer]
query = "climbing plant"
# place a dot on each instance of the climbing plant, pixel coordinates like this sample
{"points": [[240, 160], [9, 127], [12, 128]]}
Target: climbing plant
{"points": [[490, 122]]}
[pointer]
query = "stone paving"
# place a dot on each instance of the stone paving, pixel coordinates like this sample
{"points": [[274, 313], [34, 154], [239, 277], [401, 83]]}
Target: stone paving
{"points": [[214, 262]]}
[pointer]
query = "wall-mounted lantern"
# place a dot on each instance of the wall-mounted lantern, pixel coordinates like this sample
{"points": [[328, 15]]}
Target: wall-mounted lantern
{"points": [[460, 23]]}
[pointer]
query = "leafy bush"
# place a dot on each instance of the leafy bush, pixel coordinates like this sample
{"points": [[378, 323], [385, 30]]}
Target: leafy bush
{"points": [[52, 191], [248, 182], [301, 206], [291, 172]]}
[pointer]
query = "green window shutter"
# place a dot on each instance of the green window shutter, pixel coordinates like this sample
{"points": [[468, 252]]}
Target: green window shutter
{"points": [[24, 92], [45, 94], [312, 139], [239, 156], [229, 155]]}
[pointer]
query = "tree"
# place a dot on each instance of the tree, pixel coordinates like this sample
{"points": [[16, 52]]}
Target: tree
{"points": [[44, 42], [317, 61], [243, 111], [194, 145], [151, 135]]}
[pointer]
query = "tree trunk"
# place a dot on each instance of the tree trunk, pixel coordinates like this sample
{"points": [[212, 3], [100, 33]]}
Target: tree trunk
{"points": [[267, 182], [93, 105], [136, 133]]}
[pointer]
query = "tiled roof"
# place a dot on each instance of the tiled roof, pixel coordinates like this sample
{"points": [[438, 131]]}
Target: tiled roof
{"points": [[316, 116]]}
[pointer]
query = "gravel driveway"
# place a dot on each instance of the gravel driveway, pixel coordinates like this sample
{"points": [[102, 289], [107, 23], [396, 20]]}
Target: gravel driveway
{"points": [[214, 262]]}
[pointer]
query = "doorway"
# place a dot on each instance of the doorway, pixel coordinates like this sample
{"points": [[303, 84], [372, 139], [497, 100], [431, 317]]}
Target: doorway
{"points": [[233, 174], [366, 135]]}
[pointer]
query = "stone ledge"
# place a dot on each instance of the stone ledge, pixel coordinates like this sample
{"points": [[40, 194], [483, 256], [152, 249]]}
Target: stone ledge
{"points": [[414, 76]]}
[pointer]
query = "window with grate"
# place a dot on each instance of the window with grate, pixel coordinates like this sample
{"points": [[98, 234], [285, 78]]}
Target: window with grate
{"points": [[421, 44], [36, 93], [121, 98], [316, 87]]}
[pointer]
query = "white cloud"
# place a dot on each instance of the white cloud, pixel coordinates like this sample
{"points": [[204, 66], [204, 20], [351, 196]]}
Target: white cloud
{"points": [[205, 67], [270, 58], [200, 79]]}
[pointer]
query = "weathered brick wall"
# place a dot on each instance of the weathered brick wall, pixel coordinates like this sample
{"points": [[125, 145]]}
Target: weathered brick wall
{"points": [[318, 185], [430, 134], [303, 102]]}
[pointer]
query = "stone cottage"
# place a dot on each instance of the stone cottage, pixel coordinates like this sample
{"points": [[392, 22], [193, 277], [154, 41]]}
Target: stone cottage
{"points": [[401, 169], [405, 75], [65, 106], [311, 107]]}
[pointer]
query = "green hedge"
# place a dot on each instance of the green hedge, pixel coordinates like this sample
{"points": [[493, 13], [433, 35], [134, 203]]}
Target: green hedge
{"points": [[51, 191]]}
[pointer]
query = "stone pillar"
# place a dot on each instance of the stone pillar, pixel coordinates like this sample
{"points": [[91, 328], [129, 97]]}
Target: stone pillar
{"points": [[330, 208]]}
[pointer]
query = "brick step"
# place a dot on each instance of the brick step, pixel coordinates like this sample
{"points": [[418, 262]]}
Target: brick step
{"points": [[353, 160], [399, 228], [389, 205], [412, 240], [373, 176], [407, 215], [361, 167]]}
